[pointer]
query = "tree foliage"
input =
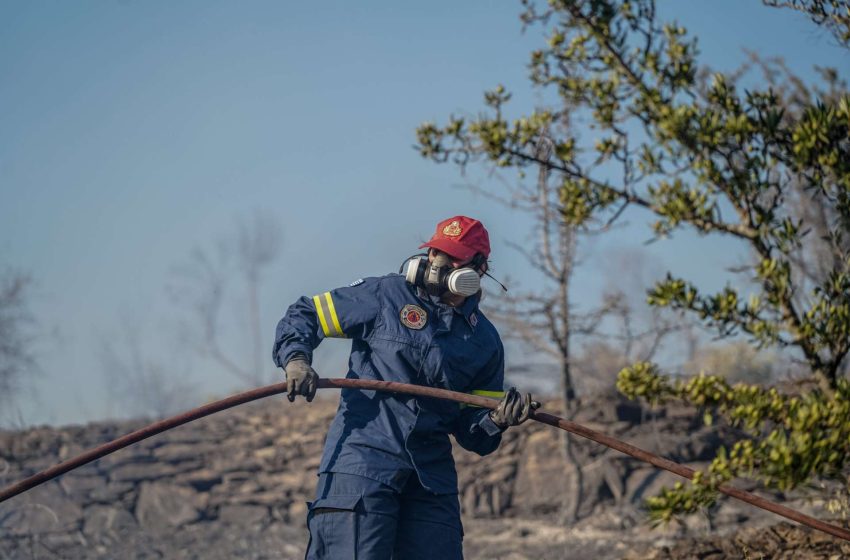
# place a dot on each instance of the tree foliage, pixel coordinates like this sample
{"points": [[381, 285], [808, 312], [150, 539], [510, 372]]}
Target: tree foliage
{"points": [[660, 132], [792, 438]]}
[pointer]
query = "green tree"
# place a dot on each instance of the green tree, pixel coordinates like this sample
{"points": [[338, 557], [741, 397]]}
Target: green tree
{"points": [[694, 149]]}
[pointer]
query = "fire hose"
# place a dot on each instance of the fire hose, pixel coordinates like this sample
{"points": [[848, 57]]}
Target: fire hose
{"points": [[417, 390]]}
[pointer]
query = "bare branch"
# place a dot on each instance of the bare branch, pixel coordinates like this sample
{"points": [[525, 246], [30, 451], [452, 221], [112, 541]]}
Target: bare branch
{"points": [[16, 333], [143, 385], [834, 15], [204, 283]]}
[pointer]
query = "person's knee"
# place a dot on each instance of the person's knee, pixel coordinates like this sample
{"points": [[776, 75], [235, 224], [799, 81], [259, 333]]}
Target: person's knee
{"points": [[429, 526]]}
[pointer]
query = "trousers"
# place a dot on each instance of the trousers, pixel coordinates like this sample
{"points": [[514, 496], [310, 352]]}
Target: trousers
{"points": [[354, 517]]}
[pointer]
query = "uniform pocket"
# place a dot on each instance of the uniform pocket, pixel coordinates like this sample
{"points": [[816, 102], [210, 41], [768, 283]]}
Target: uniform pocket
{"points": [[332, 522], [334, 503], [463, 361]]}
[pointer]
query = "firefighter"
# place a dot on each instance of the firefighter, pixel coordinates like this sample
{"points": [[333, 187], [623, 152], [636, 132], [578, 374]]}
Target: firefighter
{"points": [[387, 483]]}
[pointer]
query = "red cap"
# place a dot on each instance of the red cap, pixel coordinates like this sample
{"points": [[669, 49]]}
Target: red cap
{"points": [[461, 238]]}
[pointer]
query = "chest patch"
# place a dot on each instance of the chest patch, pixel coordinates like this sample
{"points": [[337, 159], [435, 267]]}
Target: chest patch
{"points": [[413, 316]]}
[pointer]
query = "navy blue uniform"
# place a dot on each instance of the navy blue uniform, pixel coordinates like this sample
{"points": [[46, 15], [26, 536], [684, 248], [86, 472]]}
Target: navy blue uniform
{"points": [[398, 333]]}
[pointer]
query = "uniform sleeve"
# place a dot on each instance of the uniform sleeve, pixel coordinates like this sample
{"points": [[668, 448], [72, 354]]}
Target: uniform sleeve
{"points": [[474, 430], [347, 312]]}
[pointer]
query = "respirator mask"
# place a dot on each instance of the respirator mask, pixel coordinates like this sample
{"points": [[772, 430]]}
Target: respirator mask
{"points": [[438, 277]]}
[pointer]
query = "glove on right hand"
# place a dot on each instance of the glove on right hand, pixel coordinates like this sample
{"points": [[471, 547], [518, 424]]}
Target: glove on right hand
{"points": [[301, 379], [514, 409]]}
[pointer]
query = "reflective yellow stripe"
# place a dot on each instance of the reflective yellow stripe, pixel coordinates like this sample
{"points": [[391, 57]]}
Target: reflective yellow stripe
{"points": [[334, 318], [492, 394], [482, 393], [318, 303]]}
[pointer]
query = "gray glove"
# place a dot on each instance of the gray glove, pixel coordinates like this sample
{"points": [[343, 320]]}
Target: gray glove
{"points": [[514, 409], [301, 379]]}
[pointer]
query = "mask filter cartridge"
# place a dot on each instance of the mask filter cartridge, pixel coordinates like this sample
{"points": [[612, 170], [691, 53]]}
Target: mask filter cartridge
{"points": [[438, 277], [463, 281]]}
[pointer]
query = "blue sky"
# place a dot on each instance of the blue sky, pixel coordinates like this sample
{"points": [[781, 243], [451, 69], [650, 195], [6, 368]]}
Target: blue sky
{"points": [[132, 131]]}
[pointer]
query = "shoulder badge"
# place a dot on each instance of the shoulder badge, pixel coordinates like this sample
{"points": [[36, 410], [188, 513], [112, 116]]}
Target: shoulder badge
{"points": [[356, 283], [413, 316], [453, 229]]}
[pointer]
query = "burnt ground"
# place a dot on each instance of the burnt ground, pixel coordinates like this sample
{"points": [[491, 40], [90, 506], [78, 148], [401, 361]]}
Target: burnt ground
{"points": [[235, 485]]}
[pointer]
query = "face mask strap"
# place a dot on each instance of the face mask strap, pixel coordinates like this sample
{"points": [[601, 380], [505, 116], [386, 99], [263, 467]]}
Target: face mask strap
{"points": [[477, 263]]}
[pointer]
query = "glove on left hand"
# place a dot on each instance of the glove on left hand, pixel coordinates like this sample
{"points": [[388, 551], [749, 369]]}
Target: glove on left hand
{"points": [[514, 409]]}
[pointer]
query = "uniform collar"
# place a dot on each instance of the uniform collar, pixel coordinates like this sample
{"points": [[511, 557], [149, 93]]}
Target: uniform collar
{"points": [[469, 309]]}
